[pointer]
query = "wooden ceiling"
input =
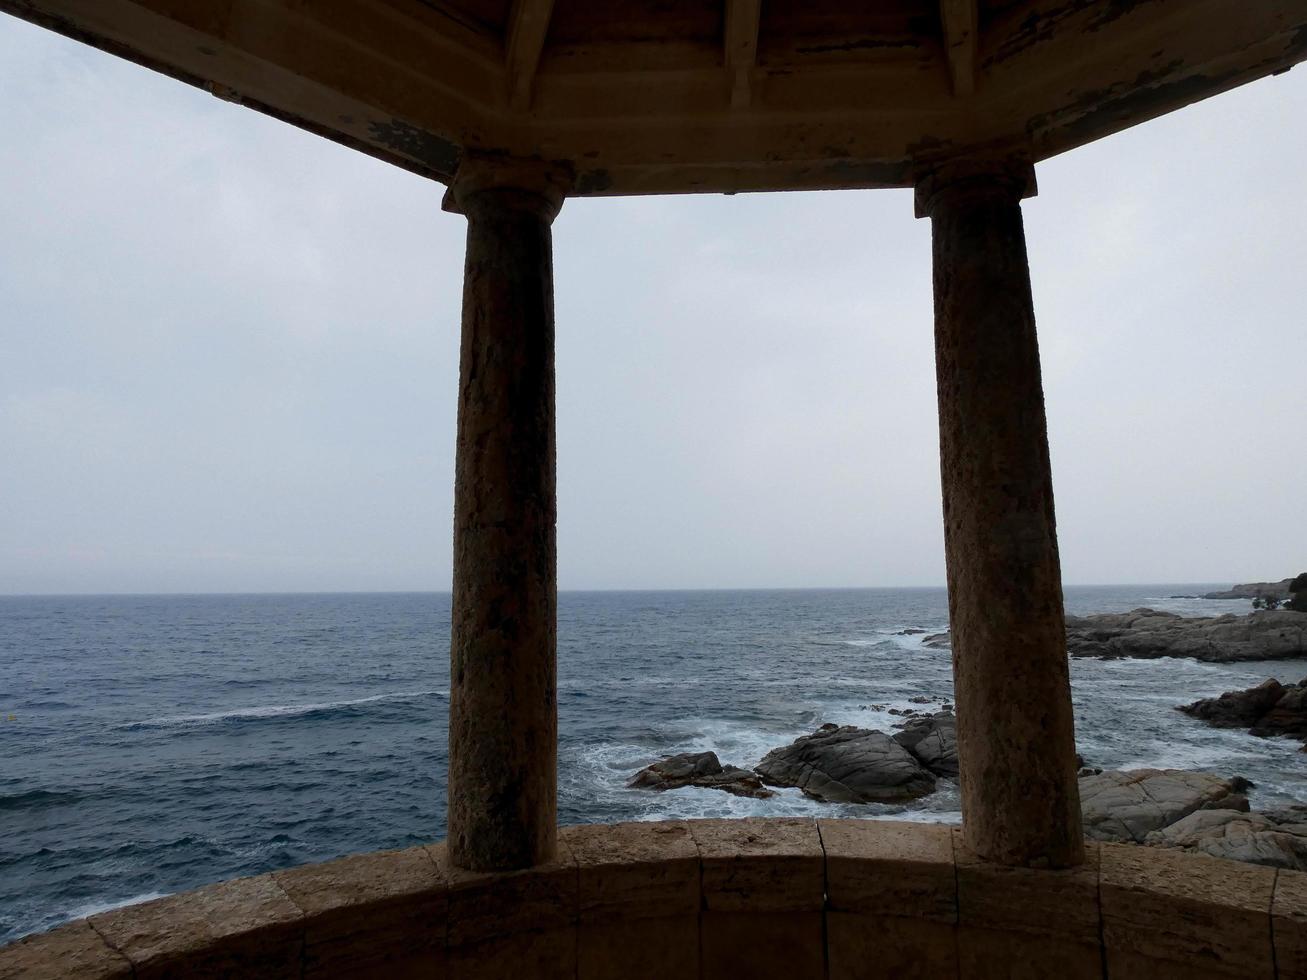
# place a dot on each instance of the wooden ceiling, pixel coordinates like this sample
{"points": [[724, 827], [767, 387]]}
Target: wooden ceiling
{"points": [[674, 96]]}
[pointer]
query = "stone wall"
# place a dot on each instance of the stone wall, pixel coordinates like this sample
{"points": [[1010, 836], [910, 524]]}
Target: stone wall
{"points": [[716, 898]]}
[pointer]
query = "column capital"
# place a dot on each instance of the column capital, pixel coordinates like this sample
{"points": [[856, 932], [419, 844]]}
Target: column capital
{"points": [[1009, 175], [530, 184]]}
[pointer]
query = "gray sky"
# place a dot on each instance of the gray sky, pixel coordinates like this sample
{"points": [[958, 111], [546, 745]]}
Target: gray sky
{"points": [[228, 357]]}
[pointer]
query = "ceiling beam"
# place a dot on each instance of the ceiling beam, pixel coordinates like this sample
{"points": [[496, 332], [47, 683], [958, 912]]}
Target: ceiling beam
{"points": [[960, 21], [526, 39], [742, 17], [415, 90]]}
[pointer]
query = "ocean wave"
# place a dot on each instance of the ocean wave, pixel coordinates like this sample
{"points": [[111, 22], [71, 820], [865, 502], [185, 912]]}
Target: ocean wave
{"points": [[36, 799], [899, 640], [261, 712]]}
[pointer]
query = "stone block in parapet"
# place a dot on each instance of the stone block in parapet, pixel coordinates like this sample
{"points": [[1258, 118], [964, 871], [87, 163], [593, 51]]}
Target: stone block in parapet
{"points": [[763, 898], [639, 900], [372, 914], [512, 923], [244, 927], [1027, 923], [1168, 915], [891, 896], [1289, 924], [72, 950]]}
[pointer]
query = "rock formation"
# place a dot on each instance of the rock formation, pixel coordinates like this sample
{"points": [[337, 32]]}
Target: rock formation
{"points": [[848, 765], [1192, 811], [1277, 838], [1268, 709], [1128, 806], [1251, 590], [699, 769], [933, 741], [1148, 633]]}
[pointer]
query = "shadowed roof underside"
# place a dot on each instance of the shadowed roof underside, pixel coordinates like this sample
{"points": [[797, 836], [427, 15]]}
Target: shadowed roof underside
{"points": [[670, 96]]}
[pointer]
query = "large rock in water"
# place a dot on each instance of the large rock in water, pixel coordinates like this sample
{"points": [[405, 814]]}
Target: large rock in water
{"points": [[847, 765], [699, 769], [1288, 716], [933, 741], [1276, 838], [1148, 633], [1237, 709], [1128, 806], [1268, 709]]}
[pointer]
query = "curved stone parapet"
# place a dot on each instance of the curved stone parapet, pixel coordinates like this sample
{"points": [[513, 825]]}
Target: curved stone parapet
{"points": [[714, 899]]}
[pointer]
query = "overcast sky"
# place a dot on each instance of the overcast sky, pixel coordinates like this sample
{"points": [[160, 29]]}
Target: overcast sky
{"points": [[228, 357]]}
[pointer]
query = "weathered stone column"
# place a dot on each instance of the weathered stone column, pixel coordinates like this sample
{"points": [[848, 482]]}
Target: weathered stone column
{"points": [[1016, 739], [503, 720]]}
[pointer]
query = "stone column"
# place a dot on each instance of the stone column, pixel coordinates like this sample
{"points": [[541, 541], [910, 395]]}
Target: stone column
{"points": [[503, 720], [1016, 739]]}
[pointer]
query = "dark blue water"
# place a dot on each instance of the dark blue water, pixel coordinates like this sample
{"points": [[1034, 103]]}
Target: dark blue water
{"points": [[155, 743]]}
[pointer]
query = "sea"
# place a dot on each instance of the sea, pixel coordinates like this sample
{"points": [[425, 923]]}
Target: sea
{"points": [[152, 744]]}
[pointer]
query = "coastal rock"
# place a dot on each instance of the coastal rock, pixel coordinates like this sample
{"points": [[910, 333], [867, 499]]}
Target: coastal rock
{"points": [[1084, 769], [1288, 716], [699, 769], [1279, 634], [1149, 633], [1274, 838], [847, 765], [1237, 709], [1251, 590], [933, 741], [1128, 806], [1266, 710]]}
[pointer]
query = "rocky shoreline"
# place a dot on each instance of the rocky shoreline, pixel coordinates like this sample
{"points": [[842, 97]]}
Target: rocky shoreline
{"points": [[1150, 633], [1254, 590], [1153, 807]]}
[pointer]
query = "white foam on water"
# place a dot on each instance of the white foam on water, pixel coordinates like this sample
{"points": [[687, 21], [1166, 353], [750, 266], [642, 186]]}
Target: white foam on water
{"points": [[697, 802], [736, 743], [1219, 751], [1128, 669], [879, 715], [598, 774], [276, 710], [896, 638], [642, 680]]}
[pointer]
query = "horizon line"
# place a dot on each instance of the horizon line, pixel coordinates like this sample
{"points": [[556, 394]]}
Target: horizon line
{"points": [[616, 590]]}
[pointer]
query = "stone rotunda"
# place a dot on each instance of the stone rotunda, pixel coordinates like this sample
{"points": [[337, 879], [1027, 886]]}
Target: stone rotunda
{"points": [[515, 106]]}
